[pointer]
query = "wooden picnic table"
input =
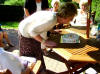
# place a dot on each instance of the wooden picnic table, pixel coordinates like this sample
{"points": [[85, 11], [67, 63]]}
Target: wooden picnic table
{"points": [[85, 52]]}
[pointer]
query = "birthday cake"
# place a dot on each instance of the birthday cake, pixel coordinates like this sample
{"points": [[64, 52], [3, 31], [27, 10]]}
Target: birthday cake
{"points": [[70, 38]]}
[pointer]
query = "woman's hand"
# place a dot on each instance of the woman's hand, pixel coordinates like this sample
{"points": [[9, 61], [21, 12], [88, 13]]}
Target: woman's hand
{"points": [[58, 31], [50, 44]]}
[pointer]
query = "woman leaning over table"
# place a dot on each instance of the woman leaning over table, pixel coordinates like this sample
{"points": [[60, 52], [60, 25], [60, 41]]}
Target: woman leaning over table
{"points": [[33, 30]]}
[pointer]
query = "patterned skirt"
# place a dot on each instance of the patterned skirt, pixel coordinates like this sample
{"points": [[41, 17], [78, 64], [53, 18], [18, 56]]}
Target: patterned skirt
{"points": [[31, 48]]}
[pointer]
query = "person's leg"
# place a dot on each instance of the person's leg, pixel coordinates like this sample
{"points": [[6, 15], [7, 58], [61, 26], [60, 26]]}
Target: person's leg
{"points": [[1, 39], [6, 37]]}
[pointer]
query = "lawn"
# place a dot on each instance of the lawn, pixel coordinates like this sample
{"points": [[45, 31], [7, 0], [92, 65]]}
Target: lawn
{"points": [[9, 25]]}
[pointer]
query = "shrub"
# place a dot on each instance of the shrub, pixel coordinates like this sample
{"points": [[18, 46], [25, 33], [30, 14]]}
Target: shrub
{"points": [[2, 1], [96, 7], [14, 2], [49, 1]]}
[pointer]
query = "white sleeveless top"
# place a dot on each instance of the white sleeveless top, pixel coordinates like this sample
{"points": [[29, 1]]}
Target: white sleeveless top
{"points": [[38, 6]]}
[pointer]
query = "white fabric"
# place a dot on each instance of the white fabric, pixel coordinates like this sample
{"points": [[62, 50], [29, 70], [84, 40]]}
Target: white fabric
{"points": [[81, 19], [29, 59], [16, 64], [94, 30], [38, 24], [38, 6], [9, 61], [1, 50]]}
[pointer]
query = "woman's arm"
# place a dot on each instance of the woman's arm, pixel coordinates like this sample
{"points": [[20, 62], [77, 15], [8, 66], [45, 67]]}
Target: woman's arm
{"points": [[26, 12], [47, 43], [38, 38]]}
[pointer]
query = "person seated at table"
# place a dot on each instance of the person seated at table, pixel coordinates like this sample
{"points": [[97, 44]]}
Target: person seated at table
{"points": [[3, 34], [55, 5], [81, 18]]}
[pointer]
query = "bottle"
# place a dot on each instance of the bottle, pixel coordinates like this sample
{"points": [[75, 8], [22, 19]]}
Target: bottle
{"points": [[98, 34]]}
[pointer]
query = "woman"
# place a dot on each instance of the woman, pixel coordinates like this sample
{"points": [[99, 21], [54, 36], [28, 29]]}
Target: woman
{"points": [[32, 6], [81, 18], [55, 5], [33, 29]]}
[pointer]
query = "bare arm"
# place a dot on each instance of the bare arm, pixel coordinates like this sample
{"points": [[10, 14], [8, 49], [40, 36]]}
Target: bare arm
{"points": [[26, 12], [47, 43], [38, 38]]}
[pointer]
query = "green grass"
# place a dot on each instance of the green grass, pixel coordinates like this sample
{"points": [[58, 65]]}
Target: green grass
{"points": [[9, 25]]}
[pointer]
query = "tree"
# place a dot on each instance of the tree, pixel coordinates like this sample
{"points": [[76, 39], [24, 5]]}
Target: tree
{"points": [[2, 1], [96, 7]]}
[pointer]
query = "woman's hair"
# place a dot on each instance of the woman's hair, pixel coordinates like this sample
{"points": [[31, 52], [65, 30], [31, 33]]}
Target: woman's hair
{"points": [[54, 1], [83, 2], [67, 9]]}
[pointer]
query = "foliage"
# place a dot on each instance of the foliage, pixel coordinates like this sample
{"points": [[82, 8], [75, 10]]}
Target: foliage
{"points": [[77, 4], [49, 1], [9, 25], [2, 1], [14, 2], [65, 0], [96, 7]]}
